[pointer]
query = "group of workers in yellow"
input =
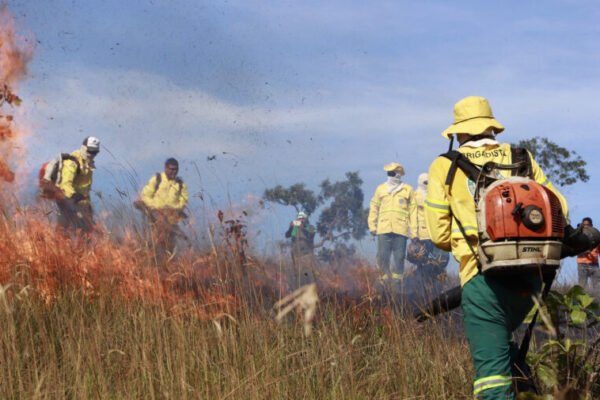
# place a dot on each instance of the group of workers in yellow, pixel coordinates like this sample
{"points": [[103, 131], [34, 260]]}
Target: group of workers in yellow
{"points": [[440, 215], [396, 213], [68, 180]]}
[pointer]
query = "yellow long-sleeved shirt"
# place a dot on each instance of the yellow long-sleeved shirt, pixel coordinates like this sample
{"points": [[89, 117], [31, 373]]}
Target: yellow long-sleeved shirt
{"points": [[457, 198], [393, 213], [72, 182], [422, 232], [167, 195]]}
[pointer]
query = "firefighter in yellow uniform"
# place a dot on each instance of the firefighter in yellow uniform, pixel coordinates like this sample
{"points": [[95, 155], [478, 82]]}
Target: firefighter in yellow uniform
{"points": [[163, 200], [392, 215], [492, 307], [73, 199], [420, 196], [434, 261]]}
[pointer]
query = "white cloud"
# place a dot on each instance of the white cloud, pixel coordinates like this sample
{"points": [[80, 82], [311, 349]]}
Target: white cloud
{"points": [[139, 110]]}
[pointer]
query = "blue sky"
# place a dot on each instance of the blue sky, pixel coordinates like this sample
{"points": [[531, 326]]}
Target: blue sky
{"points": [[299, 91]]}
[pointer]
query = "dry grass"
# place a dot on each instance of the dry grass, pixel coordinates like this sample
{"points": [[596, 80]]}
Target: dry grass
{"points": [[105, 348], [97, 320]]}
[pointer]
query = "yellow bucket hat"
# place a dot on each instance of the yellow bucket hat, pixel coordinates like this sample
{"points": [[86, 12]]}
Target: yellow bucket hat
{"points": [[394, 167], [473, 116]]}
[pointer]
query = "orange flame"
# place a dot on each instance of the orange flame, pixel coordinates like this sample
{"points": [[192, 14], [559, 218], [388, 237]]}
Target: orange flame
{"points": [[15, 53], [33, 255]]}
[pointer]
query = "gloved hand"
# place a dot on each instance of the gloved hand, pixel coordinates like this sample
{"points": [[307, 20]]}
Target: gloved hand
{"points": [[77, 197]]}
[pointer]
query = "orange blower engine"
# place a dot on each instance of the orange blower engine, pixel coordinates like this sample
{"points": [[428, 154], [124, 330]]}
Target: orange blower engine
{"points": [[521, 227]]}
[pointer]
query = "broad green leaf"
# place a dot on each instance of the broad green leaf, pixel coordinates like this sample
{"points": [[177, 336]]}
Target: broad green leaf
{"points": [[547, 376], [578, 317], [575, 291], [585, 300], [567, 345]]}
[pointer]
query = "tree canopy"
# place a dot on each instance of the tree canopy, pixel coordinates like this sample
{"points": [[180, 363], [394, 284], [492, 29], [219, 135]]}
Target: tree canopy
{"points": [[562, 166], [297, 196], [342, 216]]}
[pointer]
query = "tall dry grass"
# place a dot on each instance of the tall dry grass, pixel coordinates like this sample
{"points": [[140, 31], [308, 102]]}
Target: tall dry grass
{"points": [[97, 319], [77, 347]]}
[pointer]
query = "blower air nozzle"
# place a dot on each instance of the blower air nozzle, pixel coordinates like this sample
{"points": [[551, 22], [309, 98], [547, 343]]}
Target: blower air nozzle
{"points": [[580, 239]]}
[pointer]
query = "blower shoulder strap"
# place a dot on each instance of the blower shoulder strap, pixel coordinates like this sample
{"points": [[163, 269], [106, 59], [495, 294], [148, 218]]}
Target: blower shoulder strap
{"points": [[520, 164], [180, 182], [67, 156], [159, 180], [521, 156], [461, 161]]}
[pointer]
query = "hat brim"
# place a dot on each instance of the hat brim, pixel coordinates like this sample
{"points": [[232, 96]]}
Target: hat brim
{"points": [[474, 126], [397, 168]]}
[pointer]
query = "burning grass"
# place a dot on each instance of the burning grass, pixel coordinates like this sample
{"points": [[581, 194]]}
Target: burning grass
{"points": [[96, 318]]}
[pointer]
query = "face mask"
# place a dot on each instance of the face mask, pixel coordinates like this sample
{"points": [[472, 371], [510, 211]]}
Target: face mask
{"points": [[92, 154]]}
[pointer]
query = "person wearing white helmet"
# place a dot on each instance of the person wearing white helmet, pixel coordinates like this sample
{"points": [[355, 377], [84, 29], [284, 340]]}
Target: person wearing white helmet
{"points": [[75, 185], [302, 234]]}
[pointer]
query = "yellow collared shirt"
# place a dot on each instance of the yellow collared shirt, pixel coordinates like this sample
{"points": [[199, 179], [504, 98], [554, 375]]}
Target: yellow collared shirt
{"points": [[72, 182], [393, 213], [422, 232], [167, 195]]}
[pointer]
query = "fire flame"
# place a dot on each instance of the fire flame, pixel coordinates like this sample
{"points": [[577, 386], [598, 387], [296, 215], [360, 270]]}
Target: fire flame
{"points": [[209, 284], [15, 53]]}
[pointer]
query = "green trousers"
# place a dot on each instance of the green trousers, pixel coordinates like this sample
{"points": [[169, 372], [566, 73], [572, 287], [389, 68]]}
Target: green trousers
{"points": [[492, 310], [389, 244]]}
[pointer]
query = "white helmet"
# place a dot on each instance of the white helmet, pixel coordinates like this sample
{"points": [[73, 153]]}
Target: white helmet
{"points": [[92, 143]]}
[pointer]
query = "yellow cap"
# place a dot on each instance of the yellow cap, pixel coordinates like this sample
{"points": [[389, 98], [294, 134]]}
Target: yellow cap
{"points": [[473, 116], [394, 167]]}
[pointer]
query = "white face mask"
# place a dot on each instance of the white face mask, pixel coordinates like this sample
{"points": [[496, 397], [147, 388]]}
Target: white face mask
{"points": [[422, 183], [394, 179], [87, 156], [394, 184]]}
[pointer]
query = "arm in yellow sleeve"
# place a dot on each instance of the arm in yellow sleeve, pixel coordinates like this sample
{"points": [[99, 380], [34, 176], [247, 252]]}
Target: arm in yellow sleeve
{"points": [[67, 175], [183, 198], [412, 216], [539, 177], [437, 208], [148, 192], [374, 212]]}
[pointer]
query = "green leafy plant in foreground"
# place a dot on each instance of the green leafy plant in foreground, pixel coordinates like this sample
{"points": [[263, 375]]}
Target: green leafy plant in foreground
{"points": [[569, 359]]}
